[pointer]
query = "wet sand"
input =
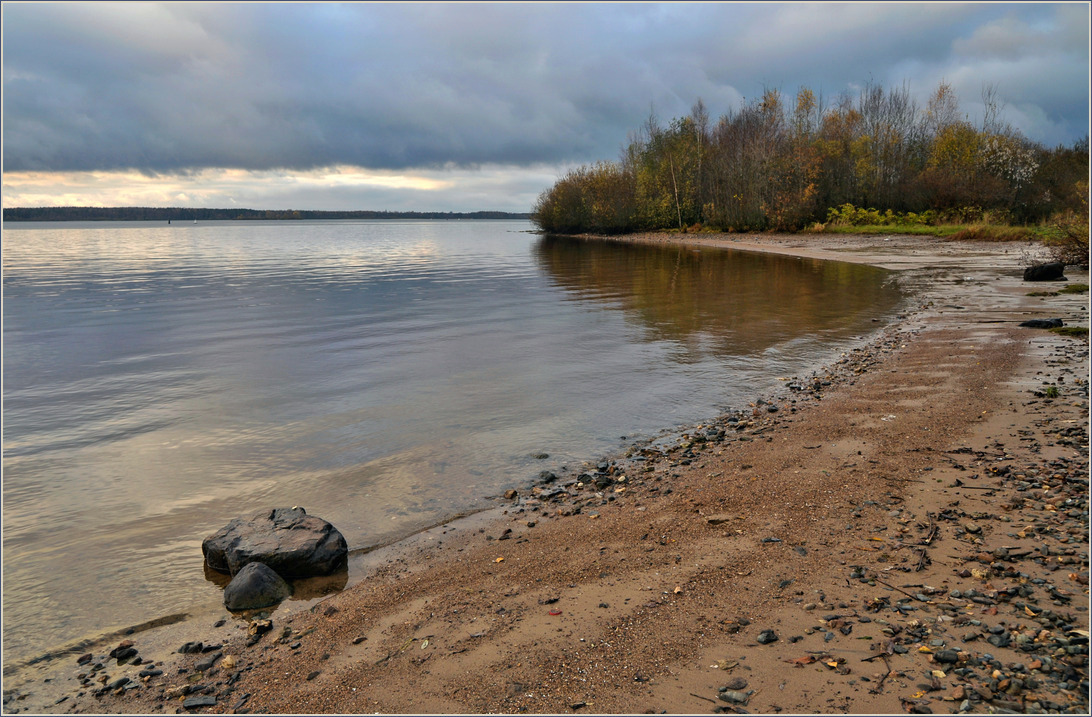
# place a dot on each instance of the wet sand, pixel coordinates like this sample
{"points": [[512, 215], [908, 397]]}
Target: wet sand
{"points": [[907, 531]]}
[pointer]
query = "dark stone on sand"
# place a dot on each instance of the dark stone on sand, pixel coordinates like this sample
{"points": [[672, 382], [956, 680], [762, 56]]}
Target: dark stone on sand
{"points": [[255, 586], [1051, 271], [200, 701], [766, 637], [125, 654], [190, 647], [292, 543], [208, 663], [948, 656], [1042, 323]]}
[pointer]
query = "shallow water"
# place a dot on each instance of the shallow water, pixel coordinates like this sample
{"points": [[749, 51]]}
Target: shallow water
{"points": [[160, 380]]}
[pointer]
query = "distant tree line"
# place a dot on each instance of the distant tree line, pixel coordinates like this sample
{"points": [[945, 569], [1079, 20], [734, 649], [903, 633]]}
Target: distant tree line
{"points": [[163, 214], [776, 165]]}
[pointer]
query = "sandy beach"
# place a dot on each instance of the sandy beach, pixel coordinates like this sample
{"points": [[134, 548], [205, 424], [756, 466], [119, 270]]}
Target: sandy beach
{"points": [[903, 530]]}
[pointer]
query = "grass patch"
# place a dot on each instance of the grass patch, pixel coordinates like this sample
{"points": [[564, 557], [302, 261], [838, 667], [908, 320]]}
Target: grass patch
{"points": [[911, 229], [1076, 332], [954, 232], [1043, 293], [994, 233], [1074, 289]]}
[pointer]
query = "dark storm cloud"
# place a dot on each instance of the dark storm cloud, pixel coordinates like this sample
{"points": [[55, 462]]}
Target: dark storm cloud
{"points": [[163, 88]]}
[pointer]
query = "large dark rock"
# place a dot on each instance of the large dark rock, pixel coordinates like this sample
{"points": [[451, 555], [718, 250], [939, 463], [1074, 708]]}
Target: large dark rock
{"points": [[1051, 271], [255, 586], [1043, 323], [289, 541]]}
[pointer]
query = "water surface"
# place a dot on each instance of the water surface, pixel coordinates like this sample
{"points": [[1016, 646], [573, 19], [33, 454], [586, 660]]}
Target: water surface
{"points": [[160, 380]]}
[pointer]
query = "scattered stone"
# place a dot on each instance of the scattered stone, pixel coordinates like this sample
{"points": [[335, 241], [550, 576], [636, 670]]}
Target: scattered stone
{"points": [[510, 494], [207, 664], [191, 647], [735, 696], [199, 701], [766, 637]]}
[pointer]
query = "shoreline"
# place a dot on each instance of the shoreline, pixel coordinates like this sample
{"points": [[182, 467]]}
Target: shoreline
{"points": [[665, 619]]}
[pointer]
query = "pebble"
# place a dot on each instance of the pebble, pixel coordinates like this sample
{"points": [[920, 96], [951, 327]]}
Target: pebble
{"points": [[766, 637]]}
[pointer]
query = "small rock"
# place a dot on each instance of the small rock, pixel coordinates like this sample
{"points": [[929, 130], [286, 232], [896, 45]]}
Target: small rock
{"points": [[256, 585], [510, 494], [200, 701], [190, 647], [947, 656], [207, 664], [766, 637], [736, 683], [734, 696]]}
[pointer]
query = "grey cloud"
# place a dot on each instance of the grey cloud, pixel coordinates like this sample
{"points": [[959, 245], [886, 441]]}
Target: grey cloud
{"points": [[169, 87]]}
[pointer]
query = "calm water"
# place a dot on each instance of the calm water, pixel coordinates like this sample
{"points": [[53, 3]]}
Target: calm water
{"points": [[160, 380]]}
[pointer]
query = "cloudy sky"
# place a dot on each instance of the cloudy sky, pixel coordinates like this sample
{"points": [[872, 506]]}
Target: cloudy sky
{"points": [[461, 107]]}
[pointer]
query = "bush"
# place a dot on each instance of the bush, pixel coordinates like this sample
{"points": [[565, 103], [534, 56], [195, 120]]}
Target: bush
{"points": [[1067, 235], [849, 215]]}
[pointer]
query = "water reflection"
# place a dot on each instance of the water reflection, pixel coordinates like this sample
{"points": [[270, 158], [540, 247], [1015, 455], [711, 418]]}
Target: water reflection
{"points": [[728, 302]]}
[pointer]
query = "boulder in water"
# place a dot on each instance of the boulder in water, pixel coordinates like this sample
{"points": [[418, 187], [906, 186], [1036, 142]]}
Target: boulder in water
{"points": [[292, 543], [1051, 271]]}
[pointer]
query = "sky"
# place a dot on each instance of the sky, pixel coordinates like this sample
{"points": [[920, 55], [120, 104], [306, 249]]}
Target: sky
{"points": [[460, 106]]}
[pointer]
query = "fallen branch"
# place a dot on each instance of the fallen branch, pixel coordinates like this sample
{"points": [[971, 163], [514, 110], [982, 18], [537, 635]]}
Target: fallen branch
{"points": [[879, 685], [703, 698], [915, 597]]}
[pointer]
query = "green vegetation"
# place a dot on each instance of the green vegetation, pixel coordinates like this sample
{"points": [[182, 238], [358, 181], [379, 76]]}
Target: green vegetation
{"points": [[1051, 392], [1042, 293], [1074, 289], [1074, 331], [873, 163]]}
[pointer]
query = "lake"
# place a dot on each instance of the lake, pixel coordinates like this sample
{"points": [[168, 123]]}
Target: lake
{"points": [[160, 380]]}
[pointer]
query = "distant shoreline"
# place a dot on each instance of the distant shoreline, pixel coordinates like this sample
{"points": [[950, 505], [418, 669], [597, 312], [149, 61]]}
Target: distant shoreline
{"points": [[165, 214]]}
